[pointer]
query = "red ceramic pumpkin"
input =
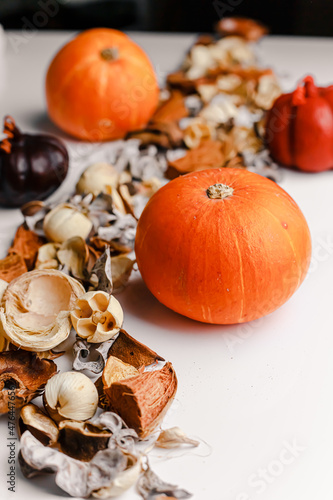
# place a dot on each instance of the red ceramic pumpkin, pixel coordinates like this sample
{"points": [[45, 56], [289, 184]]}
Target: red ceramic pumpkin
{"points": [[100, 86], [222, 246], [299, 128]]}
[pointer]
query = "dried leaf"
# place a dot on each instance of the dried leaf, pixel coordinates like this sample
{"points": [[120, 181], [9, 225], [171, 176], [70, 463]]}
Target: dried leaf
{"points": [[174, 438], [151, 487], [172, 110], [74, 254], [90, 357], [121, 269], [209, 154], [129, 350], [26, 244], [12, 267], [102, 270]]}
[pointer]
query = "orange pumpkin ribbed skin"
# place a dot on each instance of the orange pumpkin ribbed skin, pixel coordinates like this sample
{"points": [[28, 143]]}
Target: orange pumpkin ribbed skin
{"points": [[222, 261], [94, 98]]}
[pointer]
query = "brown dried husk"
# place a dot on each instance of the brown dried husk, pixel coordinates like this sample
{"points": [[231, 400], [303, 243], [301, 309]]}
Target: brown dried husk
{"points": [[26, 373], [142, 401], [209, 154], [131, 351]]}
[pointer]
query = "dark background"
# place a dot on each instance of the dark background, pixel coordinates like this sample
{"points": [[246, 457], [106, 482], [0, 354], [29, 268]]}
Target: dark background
{"points": [[286, 17]]}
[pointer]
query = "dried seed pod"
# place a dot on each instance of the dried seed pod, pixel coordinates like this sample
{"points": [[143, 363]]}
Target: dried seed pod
{"points": [[129, 350], [97, 316], [82, 440], [98, 178], [70, 395], [47, 256], [66, 221], [22, 376], [40, 425], [142, 401], [35, 309], [85, 355], [74, 254]]}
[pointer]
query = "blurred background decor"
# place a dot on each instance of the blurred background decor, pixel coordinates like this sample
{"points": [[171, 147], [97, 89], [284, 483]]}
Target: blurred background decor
{"points": [[286, 17]]}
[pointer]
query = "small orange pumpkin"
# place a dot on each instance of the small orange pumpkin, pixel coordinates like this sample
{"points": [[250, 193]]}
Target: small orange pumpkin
{"points": [[222, 246], [100, 86]]}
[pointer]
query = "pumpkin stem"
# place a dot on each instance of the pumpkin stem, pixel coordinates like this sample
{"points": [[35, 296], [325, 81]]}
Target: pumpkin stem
{"points": [[310, 88], [219, 191], [110, 54]]}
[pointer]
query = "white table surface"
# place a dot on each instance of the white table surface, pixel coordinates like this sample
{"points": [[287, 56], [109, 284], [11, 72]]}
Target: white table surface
{"points": [[250, 392]]}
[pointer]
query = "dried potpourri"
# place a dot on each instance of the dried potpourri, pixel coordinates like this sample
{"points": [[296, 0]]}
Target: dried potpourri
{"points": [[211, 114]]}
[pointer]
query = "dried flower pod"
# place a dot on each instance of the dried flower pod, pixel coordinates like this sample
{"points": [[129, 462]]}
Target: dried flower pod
{"points": [[35, 309], [82, 440], [129, 350], [97, 316], [24, 374], [31, 166], [98, 178], [74, 255], [40, 425], [47, 256], [26, 244], [142, 401], [66, 221], [70, 395]]}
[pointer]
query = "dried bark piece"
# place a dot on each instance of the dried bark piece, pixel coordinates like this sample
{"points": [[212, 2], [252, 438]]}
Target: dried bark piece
{"points": [[26, 244], [142, 401], [103, 402], [12, 267], [246, 28], [209, 154], [174, 438], [171, 110], [82, 440], [131, 351], [40, 425], [25, 374], [151, 487]]}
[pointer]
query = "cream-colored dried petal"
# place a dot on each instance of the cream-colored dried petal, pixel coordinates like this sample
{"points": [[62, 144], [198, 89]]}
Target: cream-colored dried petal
{"points": [[97, 178], [207, 91], [173, 438], [74, 254], [97, 316], [47, 252], [115, 370], [267, 91], [219, 112], [123, 481], [35, 312], [70, 395], [197, 131], [66, 221]]}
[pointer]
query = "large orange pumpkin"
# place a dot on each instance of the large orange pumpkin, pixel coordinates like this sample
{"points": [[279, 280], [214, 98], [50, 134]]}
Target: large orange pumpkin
{"points": [[100, 86], [222, 246]]}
